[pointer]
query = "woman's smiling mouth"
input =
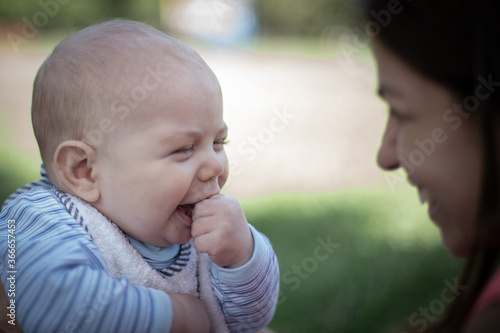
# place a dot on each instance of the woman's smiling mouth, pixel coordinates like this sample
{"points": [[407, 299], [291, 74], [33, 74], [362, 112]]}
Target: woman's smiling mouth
{"points": [[434, 204]]}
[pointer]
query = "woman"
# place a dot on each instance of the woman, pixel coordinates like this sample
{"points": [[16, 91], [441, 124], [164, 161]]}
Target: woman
{"points": [[439, 71]]}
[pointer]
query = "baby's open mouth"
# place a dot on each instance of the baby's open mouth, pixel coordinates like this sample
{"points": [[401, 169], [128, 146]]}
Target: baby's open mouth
{"points": [[186, 209]]}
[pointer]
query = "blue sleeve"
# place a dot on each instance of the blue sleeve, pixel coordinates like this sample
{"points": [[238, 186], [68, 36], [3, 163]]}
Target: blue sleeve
{"points": [[249, 294], [59, 281]]}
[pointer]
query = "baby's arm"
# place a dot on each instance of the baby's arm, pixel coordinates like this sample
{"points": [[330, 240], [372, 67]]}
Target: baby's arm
{"points": [[248, 292], [62, 283]]}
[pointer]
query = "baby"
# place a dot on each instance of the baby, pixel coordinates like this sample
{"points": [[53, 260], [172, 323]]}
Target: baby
{"points": [[128, 229]]}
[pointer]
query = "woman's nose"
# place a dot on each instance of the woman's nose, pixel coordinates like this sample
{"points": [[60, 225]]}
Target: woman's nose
{"points": [[387, 157]]}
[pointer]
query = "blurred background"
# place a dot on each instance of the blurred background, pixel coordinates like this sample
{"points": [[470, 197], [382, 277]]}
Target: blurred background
{"points": [[299, 98]]}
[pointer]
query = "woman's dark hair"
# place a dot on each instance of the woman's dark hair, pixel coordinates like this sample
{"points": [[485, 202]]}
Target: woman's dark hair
{"points": [[457, 44]]}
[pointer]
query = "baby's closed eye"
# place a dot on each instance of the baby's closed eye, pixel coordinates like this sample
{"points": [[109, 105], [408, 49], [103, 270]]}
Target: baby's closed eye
{"points": [[219, 144], [184, 151]]}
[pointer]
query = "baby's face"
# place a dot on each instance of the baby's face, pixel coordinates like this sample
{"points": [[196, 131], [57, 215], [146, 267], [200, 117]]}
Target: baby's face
{"points": [[167, 153]]}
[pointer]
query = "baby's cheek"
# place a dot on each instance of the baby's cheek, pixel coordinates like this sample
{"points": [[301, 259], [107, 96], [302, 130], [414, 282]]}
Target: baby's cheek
{"points": [[223, 178]]}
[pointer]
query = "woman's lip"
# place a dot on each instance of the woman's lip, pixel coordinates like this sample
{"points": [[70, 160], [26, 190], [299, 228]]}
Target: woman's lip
{"points": [[434, 211], [434, 206]]}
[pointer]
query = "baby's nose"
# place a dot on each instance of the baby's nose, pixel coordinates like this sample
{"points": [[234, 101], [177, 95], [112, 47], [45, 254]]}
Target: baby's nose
{"points": [[212, 168]]}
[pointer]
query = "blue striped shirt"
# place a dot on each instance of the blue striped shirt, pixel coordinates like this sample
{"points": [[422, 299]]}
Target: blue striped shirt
{"points": [[61, 280], [62, 283]]}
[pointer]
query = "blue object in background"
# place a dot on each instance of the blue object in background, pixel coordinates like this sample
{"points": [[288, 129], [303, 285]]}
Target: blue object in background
{"points": [[223, 22]]}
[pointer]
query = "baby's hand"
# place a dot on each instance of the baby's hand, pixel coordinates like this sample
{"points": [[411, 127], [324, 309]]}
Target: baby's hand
{"points": [[220, 229]]}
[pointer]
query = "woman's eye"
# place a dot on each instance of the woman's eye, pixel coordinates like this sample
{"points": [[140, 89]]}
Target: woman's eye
{"points": [[393, 112], [401, 116]]}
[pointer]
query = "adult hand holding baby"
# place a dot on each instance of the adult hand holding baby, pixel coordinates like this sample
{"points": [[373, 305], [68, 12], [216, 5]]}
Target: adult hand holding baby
{"points": [[220, 229], [190, 314]]}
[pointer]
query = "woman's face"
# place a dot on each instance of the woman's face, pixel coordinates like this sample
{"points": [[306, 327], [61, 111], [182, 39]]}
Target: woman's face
{"points": [[434, 137]]}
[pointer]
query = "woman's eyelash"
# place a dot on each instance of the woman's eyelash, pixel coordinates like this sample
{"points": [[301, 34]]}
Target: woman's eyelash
{"points": [[396, 114]]}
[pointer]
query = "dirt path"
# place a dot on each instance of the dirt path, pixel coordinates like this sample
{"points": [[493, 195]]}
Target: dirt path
{"points": [[296, 124]]}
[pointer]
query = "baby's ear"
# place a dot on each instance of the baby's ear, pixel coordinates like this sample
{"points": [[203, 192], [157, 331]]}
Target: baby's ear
{"points": [[75, 162]]}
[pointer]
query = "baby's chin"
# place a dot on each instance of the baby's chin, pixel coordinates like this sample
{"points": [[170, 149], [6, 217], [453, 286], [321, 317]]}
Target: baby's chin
{"points": [[180, 238]]}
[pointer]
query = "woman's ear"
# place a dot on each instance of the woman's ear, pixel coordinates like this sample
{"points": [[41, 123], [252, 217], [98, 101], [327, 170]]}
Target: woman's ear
{"points": [[75, 164]]}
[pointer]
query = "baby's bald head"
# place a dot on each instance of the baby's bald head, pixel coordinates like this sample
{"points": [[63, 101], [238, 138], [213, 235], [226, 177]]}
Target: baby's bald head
{"points": [[91, 72]]}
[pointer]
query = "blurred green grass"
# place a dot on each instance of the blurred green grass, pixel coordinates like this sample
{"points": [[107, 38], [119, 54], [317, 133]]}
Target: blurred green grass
{"points": [[385, 263], [16, 169], [389, 261]]}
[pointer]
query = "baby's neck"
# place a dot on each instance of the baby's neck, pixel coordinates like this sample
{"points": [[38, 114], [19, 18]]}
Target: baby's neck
{"points": [[152, 252]]}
